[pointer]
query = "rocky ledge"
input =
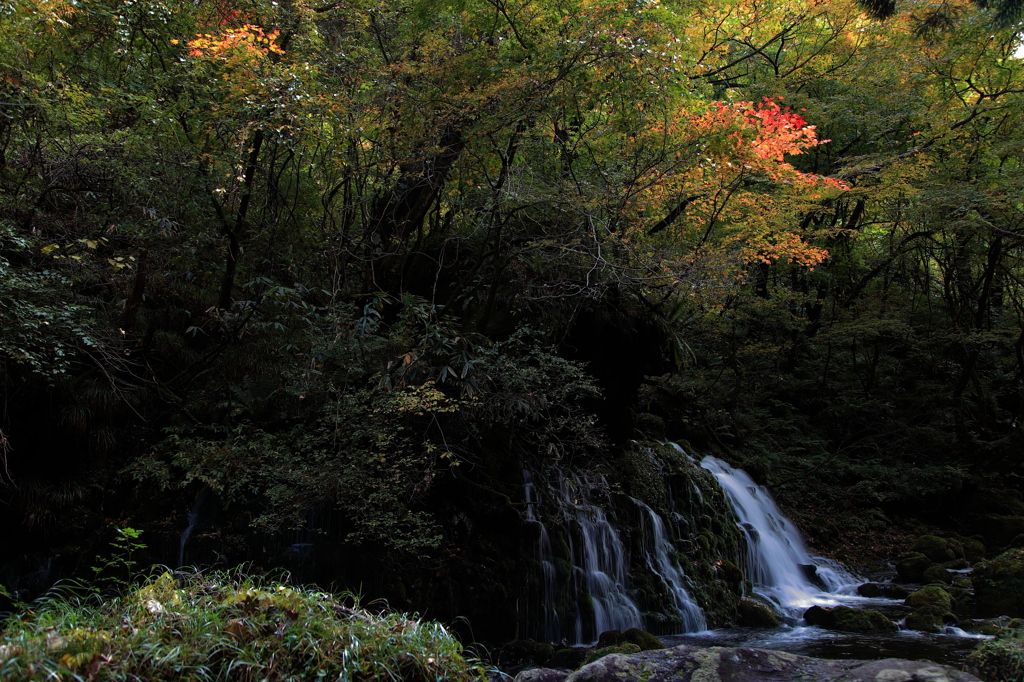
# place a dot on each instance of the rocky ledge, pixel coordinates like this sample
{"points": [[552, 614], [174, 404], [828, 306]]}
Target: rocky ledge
{"points": [[741, 664]]}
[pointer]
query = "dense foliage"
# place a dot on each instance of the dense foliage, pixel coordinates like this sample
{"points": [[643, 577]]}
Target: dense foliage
{"points": [[342, 266]]}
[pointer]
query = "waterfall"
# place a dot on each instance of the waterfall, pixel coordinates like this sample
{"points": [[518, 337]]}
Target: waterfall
{"points": [[658, 551], [590, 593], [596, 587], [552, 626], [193, 519], [777, 561]]}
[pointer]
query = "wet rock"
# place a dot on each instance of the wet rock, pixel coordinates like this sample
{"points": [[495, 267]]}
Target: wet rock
{"points": [[743, 664], [609, 638], [848, 619], [887, 590], [999, 585], [810, 572], [956, 564], [932, 595], [525, 652], [938, 574], [974, 549], [601, 652], [930, 618], [935, 548], [754, 614], [643, 639], [911, 567], [985, 626], [542, 675], [569, 659]]}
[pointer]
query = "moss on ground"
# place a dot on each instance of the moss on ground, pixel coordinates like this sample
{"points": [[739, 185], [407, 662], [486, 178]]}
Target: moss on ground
{"points": [[220, 626]]}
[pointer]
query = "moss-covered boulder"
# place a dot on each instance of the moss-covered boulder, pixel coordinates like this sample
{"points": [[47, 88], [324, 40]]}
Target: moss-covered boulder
{"points": [[974, 549], [911, 567], [999, 585], [643, 639], [930, 595], [754, 614], [935, 548], [930, 618], [600, 652], [938, 574], [848, 619], [569, 658]]}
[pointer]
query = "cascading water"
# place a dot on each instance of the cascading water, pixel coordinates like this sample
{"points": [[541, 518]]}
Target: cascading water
{"points": [[599, 567], [775, 553], [658, 551], [552, 626], [593, 593]]}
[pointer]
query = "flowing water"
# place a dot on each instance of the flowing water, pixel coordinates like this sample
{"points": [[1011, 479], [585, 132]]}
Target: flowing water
{"points": [[775, 560]]}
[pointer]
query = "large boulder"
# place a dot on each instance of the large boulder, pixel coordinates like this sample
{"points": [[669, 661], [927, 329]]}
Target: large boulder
{"points": [[999, 585], [938, 574], [911, 567], [930, 595], [848, 619], [742, 664], [754, 614], [935, 548], [930, 618]]}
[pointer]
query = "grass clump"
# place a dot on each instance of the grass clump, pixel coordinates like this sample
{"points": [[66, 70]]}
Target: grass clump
{"points": [[221, 626]]}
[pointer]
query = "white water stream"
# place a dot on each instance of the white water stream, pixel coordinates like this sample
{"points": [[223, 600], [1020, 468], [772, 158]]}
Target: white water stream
{"points": [[777, 561]]}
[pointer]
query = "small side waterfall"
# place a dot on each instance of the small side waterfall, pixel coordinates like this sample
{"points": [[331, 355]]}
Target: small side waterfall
{"points": [[775, 552], [658, 551], [584, 579]]}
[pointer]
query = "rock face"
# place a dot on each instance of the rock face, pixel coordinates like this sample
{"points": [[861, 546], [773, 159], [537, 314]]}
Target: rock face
{"points": [[699, 664]]}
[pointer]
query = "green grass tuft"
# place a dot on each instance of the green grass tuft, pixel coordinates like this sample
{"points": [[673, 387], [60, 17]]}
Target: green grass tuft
{"points": [[218, 626]]}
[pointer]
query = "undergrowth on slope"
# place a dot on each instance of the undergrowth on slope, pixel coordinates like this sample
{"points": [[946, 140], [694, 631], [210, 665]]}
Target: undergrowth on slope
{"points": [[223, 626]]}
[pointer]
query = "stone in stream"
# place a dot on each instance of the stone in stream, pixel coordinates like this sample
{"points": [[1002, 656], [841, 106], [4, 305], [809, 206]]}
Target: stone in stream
{"points": [[848, 619], [935, 548], [930, 594], [741, 664], [930, 618], [937, 574], [911, 567], [887, 590]]}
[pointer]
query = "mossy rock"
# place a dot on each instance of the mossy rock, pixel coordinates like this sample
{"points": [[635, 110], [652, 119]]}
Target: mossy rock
{"points": [[624, 648], [930, 618], [569, 659], [526, 652], [887, 590], [911, 567], [956, 564], [974, 549], [938, 574], [754, 614], [999, 585], [643, 639], [731, 573], [609, 638], [848, 619], [1017, 542], [935, 548], [930, 595]]}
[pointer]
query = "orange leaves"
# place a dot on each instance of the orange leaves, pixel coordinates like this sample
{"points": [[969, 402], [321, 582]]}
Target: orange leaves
{"points": [[247, 42]]}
